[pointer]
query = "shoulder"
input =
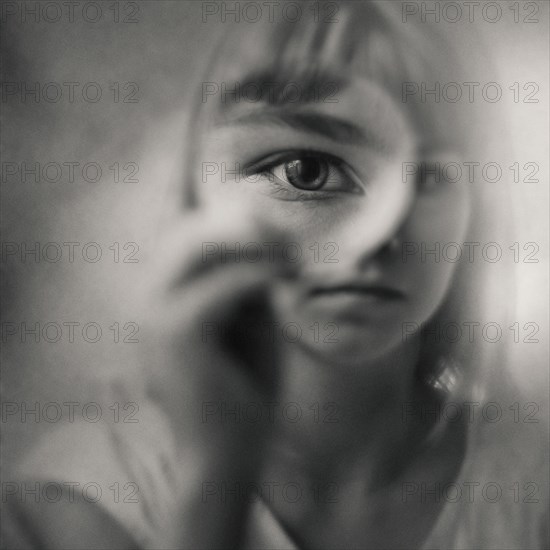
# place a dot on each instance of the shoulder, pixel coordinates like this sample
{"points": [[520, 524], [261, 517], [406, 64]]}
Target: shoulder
{"points": [[111, 480], [501, 496]]}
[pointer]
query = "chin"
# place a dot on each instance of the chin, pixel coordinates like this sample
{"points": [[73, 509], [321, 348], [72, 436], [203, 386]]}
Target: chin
{"points": [[352, 344]]}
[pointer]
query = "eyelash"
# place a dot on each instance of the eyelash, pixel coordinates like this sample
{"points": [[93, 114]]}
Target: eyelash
{"points": [[283, 189]]}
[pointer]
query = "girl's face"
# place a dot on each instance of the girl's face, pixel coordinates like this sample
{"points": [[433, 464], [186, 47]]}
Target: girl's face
{"points": [[342, 179]]}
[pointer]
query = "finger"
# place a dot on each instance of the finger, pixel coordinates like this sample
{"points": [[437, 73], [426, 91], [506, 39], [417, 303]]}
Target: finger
{"points": [[230, 308], [205, 240], [213, 297]]}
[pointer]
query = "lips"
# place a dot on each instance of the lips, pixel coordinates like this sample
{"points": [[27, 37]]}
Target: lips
{"points": [[353, 303], [358, 289]]}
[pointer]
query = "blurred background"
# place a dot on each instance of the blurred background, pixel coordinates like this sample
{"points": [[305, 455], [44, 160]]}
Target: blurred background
{"points": [[158, 61]]}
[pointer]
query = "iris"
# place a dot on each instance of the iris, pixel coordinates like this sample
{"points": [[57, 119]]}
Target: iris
{"points": [[309, 173]]}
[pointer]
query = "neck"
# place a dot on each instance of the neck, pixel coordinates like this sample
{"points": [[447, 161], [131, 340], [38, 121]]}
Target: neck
{"points": [[349, 454], [351, 416]]}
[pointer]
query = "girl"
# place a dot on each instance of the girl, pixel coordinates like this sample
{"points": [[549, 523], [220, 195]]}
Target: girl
{"points": [[312, 198]]}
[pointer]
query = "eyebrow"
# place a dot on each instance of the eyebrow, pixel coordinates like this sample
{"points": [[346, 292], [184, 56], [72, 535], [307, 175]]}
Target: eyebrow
{"points": [[272, 83], [327, 126]]}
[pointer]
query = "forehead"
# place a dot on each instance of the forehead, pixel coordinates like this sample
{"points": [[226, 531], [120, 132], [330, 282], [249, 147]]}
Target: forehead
{"points": [[359, 113], [338, 65], [296, 49]]}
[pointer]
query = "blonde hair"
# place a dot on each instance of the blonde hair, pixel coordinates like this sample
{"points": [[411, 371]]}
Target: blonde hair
{"points": [[370, 39]]}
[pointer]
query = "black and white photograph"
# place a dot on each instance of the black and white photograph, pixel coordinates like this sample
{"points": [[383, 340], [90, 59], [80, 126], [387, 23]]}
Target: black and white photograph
{"points": [[274, 275]]}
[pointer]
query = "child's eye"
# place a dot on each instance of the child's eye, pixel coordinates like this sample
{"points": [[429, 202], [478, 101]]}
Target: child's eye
{"points": [[309, 171]]}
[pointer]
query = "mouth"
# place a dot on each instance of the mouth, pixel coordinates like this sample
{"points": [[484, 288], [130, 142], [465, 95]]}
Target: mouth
{"points": [[354, 303], [359, 290]]}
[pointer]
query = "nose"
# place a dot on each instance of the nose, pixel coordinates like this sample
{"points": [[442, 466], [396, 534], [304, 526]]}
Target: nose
{"points": [[373, 229], [388, 248]]}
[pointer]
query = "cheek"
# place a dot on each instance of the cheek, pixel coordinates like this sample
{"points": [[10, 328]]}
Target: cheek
{"points": [[434, 232]]}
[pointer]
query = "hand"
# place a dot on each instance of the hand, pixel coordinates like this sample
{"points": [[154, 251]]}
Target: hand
{"points": [[199, 359]]}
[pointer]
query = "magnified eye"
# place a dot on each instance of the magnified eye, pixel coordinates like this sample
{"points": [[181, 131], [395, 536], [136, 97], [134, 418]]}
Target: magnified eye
{"points": [[308, 171]]}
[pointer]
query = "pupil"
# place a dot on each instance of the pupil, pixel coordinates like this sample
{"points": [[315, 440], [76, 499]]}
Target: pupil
{"points": [[307, 173]]}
